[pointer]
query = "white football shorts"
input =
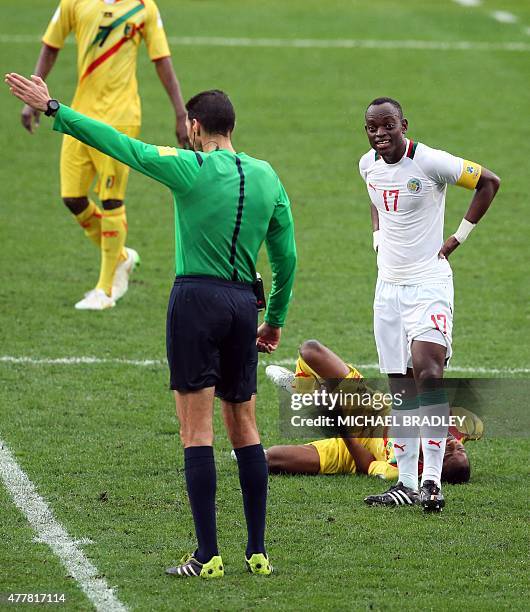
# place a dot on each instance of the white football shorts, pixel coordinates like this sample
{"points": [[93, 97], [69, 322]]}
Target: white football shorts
{"points": [[403, 313]]}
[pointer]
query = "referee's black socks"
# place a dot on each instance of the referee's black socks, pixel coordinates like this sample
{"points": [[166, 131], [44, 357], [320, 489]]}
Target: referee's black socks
{"points": [[253, 477], [201, 482]]}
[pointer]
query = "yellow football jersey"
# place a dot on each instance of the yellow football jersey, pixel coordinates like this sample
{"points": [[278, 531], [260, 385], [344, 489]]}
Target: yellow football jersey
{"points": [[108, 35]]}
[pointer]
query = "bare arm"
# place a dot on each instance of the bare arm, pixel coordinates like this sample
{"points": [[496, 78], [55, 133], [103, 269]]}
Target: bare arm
{"points": [[362, 456], [375, 226], [45, 62], [375, 217], [487, 187], [168, 78]]}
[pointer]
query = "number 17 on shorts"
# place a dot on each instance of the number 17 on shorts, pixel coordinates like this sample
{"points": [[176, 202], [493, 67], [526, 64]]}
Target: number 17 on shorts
{"points": [[407, 313]]}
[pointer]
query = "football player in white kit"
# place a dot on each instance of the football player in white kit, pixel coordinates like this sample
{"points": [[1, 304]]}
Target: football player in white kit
{"points": [[413, 305]]}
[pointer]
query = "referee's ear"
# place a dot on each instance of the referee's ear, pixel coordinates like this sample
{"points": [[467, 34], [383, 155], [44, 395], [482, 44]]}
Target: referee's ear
{"points": [[196, 127]]}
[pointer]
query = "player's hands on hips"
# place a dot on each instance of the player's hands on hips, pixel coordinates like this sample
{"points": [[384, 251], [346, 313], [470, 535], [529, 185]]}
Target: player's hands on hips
{"points": [[268, 338], [33, 92], [448, 247], [182, 134], [30, 118]]}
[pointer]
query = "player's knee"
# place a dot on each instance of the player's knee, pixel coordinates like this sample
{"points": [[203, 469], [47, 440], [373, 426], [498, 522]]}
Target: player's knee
{"points": [[76, 205], [310, 350], [111, 204], [429, 372]]}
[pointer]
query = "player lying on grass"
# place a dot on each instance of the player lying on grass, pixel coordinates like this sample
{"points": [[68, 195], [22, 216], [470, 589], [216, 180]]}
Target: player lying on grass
{"points": [[373, 456], [413, 305]]}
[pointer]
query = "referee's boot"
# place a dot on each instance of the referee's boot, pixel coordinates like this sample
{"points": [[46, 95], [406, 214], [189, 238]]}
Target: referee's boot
{"points": [[397, 495], [431, 497], [259, 564], [189, 567]]}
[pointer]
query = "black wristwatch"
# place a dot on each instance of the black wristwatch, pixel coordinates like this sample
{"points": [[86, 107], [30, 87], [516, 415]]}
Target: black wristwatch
{"points": [[53, 107]]}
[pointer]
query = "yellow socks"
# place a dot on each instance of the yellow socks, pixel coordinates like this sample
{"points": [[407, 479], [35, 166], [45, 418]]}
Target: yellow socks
{"points": [[113, 235], [90, 221], [108, 230], [306, 379]]}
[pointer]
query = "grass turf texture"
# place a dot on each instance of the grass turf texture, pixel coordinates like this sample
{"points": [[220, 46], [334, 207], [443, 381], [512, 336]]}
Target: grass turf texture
{"points": [[81, 431]]}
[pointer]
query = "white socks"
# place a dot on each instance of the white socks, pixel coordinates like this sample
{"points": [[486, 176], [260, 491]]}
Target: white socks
{"points": [[433, 441], [433, 437], [407, 449]]}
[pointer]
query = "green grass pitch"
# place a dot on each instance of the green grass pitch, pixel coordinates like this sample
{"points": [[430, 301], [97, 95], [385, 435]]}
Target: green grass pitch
{"points": [[82, 430]]}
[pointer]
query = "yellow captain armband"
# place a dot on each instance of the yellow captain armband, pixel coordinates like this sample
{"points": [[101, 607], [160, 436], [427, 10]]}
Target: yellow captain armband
{"points": [[470, 175], [165, 151]]}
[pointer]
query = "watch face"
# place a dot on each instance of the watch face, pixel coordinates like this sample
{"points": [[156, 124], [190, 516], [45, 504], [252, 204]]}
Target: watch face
{"points": [[53, 107]]}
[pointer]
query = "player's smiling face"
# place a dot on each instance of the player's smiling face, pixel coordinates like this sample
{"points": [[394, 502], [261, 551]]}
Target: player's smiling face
{"points": [[386, 129]]}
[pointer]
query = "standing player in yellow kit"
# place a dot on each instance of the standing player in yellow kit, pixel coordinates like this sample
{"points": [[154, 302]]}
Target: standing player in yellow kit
{"points": [[108, 34]]}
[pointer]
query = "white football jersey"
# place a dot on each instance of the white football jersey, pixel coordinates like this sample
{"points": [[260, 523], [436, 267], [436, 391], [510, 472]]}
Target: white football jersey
{"points": [[410, 198]]}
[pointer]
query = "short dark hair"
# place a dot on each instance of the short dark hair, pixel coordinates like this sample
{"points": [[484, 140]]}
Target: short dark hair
{"points": [[459, 473], [391, 101], [213, 110]]}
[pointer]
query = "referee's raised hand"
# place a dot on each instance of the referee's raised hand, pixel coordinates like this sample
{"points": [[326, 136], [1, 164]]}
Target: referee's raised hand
{"points": [[33, 92]]}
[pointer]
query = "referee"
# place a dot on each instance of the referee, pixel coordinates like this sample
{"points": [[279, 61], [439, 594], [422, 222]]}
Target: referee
{"points": [[226, 205]]}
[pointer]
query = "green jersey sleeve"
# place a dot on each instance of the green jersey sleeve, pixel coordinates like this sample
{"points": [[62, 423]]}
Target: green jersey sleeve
{"points": [[175, 168], [281, 249]]}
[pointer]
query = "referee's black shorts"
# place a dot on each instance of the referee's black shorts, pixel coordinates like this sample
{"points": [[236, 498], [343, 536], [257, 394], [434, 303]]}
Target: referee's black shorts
{"points": [[211, 337]]}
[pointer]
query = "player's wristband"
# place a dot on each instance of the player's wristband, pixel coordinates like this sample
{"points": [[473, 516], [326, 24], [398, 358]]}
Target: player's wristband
{"points": [[375, 239], [464, 229]]}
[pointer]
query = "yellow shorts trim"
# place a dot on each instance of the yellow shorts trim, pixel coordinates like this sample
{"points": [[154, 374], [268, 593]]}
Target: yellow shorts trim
{"points": [[80, 164]]}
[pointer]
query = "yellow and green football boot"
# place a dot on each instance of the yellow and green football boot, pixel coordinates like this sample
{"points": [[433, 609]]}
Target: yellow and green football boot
{"points": [[189, 567], [259, 564]]}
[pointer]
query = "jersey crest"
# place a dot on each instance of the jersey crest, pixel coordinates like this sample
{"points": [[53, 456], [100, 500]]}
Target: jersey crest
{"points": [[414, 185]]}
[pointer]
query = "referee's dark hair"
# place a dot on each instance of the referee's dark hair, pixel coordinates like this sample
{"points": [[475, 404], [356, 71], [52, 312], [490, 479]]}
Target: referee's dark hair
{"points": [[213, 110], [394, 103]]}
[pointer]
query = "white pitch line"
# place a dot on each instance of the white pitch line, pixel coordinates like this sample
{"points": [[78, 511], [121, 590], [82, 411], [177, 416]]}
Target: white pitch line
{"points": [[81, 360], [468, 2], [52, 533], [265, 361], [316, 43], [504, 17], [348, 43]]}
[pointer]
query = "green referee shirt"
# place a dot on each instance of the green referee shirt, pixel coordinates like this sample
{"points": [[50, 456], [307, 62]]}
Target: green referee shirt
{"points": [[226, 205]]}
